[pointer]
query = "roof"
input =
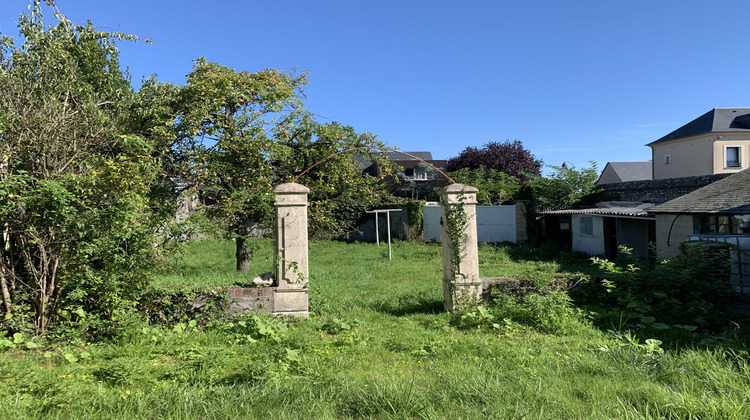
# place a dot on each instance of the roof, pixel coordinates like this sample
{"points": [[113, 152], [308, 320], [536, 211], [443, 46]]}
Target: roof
{"points": [[714, 121], [729, 195], [631, 171], [397, 156], [611, 208]]}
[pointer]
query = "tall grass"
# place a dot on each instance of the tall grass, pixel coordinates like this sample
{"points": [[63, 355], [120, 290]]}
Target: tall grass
{"points": [[377, 346]]}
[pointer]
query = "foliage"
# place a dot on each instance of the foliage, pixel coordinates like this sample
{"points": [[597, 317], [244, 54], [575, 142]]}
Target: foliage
{"points": [[239, 134], [510, 158], [377, 346], [565, 187], [681, 293], [76, 185], [495, 187]]}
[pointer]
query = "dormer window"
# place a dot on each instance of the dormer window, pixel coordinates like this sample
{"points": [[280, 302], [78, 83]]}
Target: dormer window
{"points": [[732, 155]]}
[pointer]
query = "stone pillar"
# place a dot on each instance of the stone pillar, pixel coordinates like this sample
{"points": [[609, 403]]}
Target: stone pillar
{"points": [[461, 283], [290, 297]]}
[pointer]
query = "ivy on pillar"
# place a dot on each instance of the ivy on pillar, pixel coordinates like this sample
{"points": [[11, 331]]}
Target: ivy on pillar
{"points": [[290, 297], [461, 282]]}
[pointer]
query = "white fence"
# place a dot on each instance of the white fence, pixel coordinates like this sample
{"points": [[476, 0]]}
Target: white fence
{"points": [[494, 224]]}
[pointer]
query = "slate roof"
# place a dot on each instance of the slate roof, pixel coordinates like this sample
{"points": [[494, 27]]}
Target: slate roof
{"points": [[713, 121], [398, 156], [631, 171], [729, 195], [611, 208]]}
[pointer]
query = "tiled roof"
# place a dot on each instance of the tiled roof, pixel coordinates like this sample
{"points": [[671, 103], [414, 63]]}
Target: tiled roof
{"points": [[715, 120], [729, 195]]}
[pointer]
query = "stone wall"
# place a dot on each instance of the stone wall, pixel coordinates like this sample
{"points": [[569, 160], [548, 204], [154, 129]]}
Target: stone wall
{"points": [[656, 190]]}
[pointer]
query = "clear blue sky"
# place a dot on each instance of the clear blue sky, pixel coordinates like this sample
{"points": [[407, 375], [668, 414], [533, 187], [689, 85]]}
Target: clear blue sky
{"points": [[572, 80]]}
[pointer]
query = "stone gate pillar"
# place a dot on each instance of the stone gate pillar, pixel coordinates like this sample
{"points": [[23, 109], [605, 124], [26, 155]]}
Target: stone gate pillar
{"points": [[461, 283], [290, 297]]}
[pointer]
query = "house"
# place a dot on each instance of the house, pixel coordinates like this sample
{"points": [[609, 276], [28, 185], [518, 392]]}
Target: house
{"points": [[417, 177], [601, 229], [625, 171], [716, 142], [717, 212]]}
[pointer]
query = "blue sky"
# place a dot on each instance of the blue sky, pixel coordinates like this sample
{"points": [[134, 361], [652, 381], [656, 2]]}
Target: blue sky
{"points": [[572, 80]]}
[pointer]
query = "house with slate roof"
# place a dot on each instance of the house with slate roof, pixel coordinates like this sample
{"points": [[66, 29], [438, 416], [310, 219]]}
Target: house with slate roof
{"points": [[714, 143], [416, 179], [615, 172], [717, 212]]}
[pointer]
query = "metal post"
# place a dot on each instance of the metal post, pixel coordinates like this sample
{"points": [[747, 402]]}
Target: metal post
{"points": [[388, 220], [377, 229]]}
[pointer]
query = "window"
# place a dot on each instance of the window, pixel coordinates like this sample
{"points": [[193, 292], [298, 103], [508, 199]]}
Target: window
{"points": [[415, 174], [717, 224], [732, 155], [666, 159], [586, 225]]}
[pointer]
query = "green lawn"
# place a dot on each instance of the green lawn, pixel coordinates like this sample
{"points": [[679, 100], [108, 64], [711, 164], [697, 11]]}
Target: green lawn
{"points": [[376, 346]]}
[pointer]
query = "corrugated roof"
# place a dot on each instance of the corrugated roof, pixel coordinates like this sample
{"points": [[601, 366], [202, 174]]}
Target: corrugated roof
{"points": [[730, 195], [715, 120], [613, 208]]}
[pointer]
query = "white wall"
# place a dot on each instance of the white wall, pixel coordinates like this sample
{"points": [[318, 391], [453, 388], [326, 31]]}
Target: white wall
{"points": [[588, 244], [494, 223]]}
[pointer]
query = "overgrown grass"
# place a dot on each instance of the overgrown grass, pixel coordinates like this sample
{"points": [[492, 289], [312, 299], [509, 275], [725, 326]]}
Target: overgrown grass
{"points": [[377, 346]]}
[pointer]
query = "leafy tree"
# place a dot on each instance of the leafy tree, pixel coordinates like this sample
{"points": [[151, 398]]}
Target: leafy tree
{"points": [[239, 134], [565, 187], [509, 157], [75, 183], [495, 187]]}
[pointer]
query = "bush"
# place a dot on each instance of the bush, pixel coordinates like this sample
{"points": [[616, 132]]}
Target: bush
{"points": [[683, 291]]}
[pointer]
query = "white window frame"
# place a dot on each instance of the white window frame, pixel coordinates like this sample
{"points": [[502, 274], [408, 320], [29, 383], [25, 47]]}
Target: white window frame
{"points": [[739, 156], [667, 159]]}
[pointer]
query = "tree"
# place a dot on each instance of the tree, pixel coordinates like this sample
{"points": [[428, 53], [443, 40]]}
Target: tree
{"points": [[510, 158], [494, 187], [75, 183], [239, 134], [565, 187]]}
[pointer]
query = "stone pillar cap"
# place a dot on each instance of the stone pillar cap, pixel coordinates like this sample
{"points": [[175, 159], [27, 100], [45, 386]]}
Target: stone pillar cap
{"points": [[458, 189], [291, 188]]}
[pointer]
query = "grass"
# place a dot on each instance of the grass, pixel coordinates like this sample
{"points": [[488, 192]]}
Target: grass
{"points": [[377, 346]]}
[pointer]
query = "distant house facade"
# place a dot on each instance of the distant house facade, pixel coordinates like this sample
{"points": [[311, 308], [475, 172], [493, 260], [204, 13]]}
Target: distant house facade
{"points": [[716, 142], [615, 172], [416, 176]]}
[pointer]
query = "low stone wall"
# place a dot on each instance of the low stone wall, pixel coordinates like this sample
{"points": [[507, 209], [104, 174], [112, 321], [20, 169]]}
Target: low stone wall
{"points": [[656, 190], [243, 299]]}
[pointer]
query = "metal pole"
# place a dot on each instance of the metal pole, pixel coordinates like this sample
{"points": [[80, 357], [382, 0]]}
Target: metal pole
{"points": [[388, 219], [377, 229]]}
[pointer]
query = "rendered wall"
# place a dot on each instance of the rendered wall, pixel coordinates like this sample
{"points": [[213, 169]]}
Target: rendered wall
{"points": [[671, 231], [494, 223], [588, 244]]}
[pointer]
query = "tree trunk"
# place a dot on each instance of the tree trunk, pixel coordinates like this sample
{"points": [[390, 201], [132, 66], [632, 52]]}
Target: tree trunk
{"points": [[243, 255]]}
